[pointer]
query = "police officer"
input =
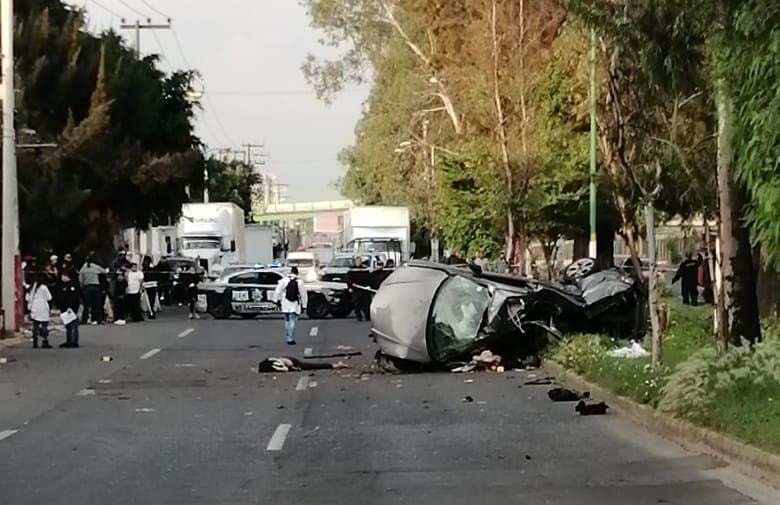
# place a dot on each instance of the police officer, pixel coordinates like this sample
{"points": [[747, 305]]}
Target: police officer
{"points": [[688, 273], [358, 275]]}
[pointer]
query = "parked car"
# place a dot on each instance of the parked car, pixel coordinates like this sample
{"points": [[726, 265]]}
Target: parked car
{"points": [[249, 293], [431, 313]]}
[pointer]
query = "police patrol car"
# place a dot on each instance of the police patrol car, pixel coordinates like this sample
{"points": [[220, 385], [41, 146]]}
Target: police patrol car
{"points": [[251, 292]]}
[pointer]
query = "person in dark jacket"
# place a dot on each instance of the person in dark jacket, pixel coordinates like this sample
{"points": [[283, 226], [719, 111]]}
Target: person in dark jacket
{"points": [[688, 273], [70, 300], [358, 275]]}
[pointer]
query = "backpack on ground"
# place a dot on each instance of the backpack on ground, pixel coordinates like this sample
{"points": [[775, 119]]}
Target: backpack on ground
{"points": [[292, 291]]}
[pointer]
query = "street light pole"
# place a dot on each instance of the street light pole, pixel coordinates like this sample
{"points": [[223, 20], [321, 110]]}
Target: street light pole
{"points": [[10, 239], [592, 249]]}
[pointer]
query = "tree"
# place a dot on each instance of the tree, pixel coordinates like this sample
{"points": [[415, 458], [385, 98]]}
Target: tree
{"points": [[124, 129], [230, 181], [652, 54]]}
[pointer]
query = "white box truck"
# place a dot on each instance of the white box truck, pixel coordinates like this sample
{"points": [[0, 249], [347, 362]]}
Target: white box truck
{"points": [[380, 229], [259, 244], [212, 233]]}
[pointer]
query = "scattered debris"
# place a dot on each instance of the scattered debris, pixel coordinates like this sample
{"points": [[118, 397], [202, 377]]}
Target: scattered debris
{"points": [[280, 407], [468, 381], [546, 381], [467, 399], [3, 360], [248, 413], [633, 351], [106, 359], [482, 403], [591, 409], [344, 348], [104, 381], [561, 394], [334, 355], [86, 392], [144, 410], [287, 364], [528, 457]]}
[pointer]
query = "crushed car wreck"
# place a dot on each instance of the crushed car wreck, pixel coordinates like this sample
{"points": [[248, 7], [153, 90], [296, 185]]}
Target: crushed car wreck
{"points": [[428, 313]]}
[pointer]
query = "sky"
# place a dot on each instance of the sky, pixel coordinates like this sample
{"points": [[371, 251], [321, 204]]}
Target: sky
{"points": [[249, 53]]}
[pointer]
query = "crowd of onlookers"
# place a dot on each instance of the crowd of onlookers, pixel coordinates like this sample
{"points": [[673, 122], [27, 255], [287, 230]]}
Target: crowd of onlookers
{"points": [[97, 294]]}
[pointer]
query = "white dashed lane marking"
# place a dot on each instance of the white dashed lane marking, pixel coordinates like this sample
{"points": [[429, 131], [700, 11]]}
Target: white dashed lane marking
{"points": [[6, 433], [277, 440], [307, 352], [150, 354], [86, 392], [186, 332], [314, 331], [303, 383]]}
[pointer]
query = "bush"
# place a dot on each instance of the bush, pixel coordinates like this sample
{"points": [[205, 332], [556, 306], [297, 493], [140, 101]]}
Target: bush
{"points": [[695, 385]]}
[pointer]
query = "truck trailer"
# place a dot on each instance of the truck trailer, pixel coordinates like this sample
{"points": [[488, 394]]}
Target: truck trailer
{"points": [[211, 233]]}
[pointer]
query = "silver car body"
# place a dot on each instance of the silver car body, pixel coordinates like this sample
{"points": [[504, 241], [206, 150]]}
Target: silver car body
{"points": [[400, 310]]}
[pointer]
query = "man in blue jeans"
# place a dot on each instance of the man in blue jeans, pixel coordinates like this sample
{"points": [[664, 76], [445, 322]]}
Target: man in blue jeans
{"points": [[291, 297]]}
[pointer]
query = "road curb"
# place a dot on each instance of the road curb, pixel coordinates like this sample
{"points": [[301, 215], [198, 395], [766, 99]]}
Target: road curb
{"points": [[745, 458], [10, 342]]}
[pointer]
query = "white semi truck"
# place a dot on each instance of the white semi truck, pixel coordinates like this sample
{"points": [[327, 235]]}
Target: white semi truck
{"points": [[259, 244], [382, 230], [212, 233]]}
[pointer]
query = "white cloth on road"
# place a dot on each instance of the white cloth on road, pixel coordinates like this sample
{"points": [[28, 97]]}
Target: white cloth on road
{"points": [[287, 305], [39, 299], [134, 282]]}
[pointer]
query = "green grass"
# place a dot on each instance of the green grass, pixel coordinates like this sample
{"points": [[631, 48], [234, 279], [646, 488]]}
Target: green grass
{"points": [[746, 408]]}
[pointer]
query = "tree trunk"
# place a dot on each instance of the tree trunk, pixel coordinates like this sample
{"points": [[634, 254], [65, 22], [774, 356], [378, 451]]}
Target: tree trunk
{"points": [[739, 278], [581, 243], [653, 298]]}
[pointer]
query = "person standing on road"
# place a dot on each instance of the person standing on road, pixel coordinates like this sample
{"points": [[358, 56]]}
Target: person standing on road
{"points": [[291, 296], [135, 285], [70, 300], [40, 312], [119, 288], [89, 278], [358, 275], [688, 273], [150, 284], [190, 278]]}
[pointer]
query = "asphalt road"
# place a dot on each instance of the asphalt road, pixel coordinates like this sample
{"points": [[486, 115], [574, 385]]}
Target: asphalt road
{"points": [[179, 417]]}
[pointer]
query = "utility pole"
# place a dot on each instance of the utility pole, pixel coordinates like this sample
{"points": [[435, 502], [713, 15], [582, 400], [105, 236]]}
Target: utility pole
{"points": [[592, 249], [138, 26], [10, 240]]}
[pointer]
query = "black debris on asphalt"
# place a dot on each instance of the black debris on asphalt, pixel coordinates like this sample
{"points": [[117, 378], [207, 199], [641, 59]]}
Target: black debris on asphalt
{"points": [[562, 394], [545, 381], [591, 409], [467, 399]]}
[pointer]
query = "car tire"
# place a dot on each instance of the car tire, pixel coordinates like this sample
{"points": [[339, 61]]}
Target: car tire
{"points": [[580, 269], [340, 313], [318, 307], [220, 310]]}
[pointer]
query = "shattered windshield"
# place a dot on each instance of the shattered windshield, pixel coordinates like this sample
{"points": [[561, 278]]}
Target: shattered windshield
{"points": [[457, 316]]}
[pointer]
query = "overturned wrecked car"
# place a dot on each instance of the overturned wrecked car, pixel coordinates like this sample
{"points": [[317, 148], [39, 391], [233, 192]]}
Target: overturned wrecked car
{"points": [[428, 313]]}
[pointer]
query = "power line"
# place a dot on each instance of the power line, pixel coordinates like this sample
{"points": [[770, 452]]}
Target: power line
{"points": [[210, 102], [162, 51], [144, 14], [105, 8], [180, 47], [154, 9]]}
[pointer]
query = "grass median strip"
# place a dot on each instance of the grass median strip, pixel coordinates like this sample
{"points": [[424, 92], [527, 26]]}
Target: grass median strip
{"points": [[738, 394]]}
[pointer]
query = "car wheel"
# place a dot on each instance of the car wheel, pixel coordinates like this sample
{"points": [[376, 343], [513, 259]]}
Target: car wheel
{"points": [[341, 313], [318, 307], [580, 269], [219, 310]]}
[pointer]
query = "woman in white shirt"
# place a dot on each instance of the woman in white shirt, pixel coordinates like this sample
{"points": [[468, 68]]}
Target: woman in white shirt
{"points": [[135, 285], [38, 300]]}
